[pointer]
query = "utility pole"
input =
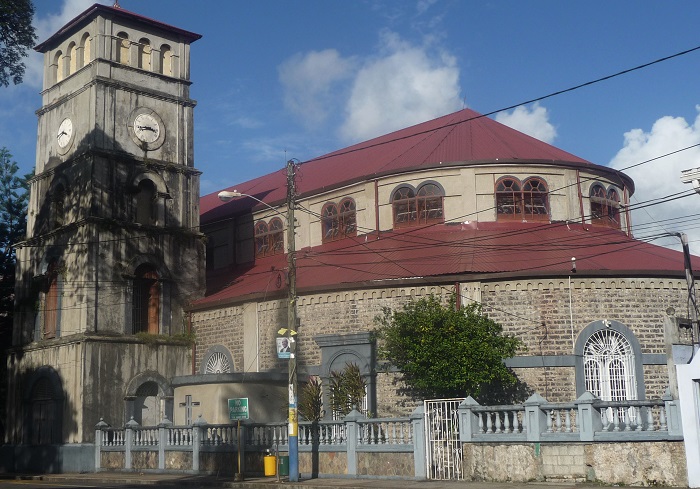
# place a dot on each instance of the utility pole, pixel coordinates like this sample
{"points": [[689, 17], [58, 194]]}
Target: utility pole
{"points": [[692, 303], [292, 326]]}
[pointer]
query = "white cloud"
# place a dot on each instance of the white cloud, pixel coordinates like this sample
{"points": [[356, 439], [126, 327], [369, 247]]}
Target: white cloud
{"points": [[402, 86], [661, 177], [308, 81], [48, 25], [533, 122]]}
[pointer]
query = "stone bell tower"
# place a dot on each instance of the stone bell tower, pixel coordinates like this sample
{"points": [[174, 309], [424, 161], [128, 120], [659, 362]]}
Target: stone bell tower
{"points": [[113, 251]]}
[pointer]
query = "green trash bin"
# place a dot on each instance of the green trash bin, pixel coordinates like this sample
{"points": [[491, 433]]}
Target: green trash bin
{"points": [[283, 465]]}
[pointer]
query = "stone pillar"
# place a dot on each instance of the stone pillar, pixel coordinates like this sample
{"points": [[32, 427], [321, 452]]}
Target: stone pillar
{"points": [[535, 417], [198, 428], [418, 422], [129, 441], [589, 420], [98, 443], [163, 428], [468, 419], [353, 434], [673, 415]]}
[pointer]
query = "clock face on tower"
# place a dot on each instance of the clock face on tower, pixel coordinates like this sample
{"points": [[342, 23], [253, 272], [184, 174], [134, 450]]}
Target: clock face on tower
{"points": [[146, 129], [64, 134]]}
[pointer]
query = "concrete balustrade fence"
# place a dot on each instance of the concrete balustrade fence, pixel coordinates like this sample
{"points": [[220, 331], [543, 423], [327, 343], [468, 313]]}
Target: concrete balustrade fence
{"points": [[587, 439]]}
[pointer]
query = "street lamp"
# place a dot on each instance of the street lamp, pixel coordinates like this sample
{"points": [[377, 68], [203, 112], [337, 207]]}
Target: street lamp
{"points": [[293, 423]]}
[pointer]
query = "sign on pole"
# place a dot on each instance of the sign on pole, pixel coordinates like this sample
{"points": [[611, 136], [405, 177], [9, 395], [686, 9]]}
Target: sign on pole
{"points": [[238, 408]]}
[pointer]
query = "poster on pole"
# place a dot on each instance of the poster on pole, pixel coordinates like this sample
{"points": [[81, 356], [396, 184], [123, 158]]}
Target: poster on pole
{"points": [[284, 349], [238, 408]]}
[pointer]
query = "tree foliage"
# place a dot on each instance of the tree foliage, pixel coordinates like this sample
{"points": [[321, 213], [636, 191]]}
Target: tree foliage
{"points": [[311, 400], [13, 221], [444, 352], [16, 36], [347, 390]]}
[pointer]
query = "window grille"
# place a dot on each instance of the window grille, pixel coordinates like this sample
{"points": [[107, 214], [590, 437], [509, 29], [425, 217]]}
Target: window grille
{"points": [[218, 364], [339, 221], [269, 238], [605, 206], [146, 300], [609, 369], [527, 202]]}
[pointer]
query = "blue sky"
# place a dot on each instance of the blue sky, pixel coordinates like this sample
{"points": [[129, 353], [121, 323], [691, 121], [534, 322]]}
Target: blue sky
{"points": [[298, 78]]}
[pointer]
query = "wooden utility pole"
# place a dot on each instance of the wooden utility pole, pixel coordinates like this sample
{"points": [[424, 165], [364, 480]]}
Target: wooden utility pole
{"points": [[292, 326]]}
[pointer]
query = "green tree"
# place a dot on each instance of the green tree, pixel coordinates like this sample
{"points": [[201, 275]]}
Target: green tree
{"points": [[16, 36], [347, 390], [13, 222], [311, 400], [444, 352]]}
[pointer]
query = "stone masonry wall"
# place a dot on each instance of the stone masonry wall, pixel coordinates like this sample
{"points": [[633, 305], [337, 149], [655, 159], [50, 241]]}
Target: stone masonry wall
{"points": [[634, 464], [537, 311]]}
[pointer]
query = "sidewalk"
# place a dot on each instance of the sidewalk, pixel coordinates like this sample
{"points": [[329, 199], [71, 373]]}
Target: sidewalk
{"points": [[203, 481]]}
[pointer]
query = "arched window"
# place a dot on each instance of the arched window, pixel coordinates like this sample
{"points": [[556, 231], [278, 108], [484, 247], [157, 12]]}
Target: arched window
{"points": [[529, 202], [403, 204], [51, 301], [58, 207], [269, 238], [429, 204], [509, 204], [45, 424], [166, 62], [338, 221], [123, 45], [145, 54], [87, 53], [613, 208], [57, 66], [276, 236], [329, 222], [605, 206], [146, 300], [73, 58], [609, 370], [535, 200], [146, 208]]}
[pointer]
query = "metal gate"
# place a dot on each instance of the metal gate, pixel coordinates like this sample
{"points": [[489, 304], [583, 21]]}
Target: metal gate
{"points": [[443, 448]]}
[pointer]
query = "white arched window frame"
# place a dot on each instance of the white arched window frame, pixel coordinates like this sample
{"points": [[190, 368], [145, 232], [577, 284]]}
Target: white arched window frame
{"points": [[610, 370]]}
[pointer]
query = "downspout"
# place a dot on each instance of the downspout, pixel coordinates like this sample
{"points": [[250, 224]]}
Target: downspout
{"points": [[194, 343], [580, 197], [627, 212], [376, 206], [458, 297]]}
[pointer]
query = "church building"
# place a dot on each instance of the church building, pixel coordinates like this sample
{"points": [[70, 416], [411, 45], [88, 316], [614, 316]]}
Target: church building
{"points": [[138, 300]]}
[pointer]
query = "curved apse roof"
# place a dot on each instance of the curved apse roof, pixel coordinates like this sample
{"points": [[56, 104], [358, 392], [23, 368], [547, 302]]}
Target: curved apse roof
{"points": [[454, 139]]}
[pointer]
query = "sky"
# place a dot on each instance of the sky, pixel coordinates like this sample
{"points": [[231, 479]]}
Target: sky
{"points": [[281, 79]]}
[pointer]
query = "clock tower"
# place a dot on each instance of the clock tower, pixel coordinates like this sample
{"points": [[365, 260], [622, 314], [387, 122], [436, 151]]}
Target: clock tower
{"points": [[113, 251]]}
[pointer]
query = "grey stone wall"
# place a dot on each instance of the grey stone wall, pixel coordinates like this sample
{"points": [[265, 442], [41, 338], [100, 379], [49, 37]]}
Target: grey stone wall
{"points": [[634, 464], [537, 311]]}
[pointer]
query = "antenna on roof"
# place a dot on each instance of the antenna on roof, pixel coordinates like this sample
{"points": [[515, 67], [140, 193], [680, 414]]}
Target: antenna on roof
{"points": [[116, 4]]}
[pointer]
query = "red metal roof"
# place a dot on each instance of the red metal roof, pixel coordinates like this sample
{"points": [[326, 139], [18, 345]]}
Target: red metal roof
{"points": [[458, 138], [432, 253]]}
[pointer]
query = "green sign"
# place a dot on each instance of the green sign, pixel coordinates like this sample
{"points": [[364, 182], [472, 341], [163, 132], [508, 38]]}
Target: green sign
{"points": [[238, 408]]}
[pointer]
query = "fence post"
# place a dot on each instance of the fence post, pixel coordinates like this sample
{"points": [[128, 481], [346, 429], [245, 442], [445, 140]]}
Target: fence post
{"points": [[673, 415], [129, 441], [98, 443], [163, 428], [535, 417], [589, 420], [353, 433], [468, 419], [418, 422], [198, 427]]}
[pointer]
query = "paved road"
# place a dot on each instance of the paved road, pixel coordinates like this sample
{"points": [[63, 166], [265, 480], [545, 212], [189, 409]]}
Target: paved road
{"points": [[164, 481]]}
